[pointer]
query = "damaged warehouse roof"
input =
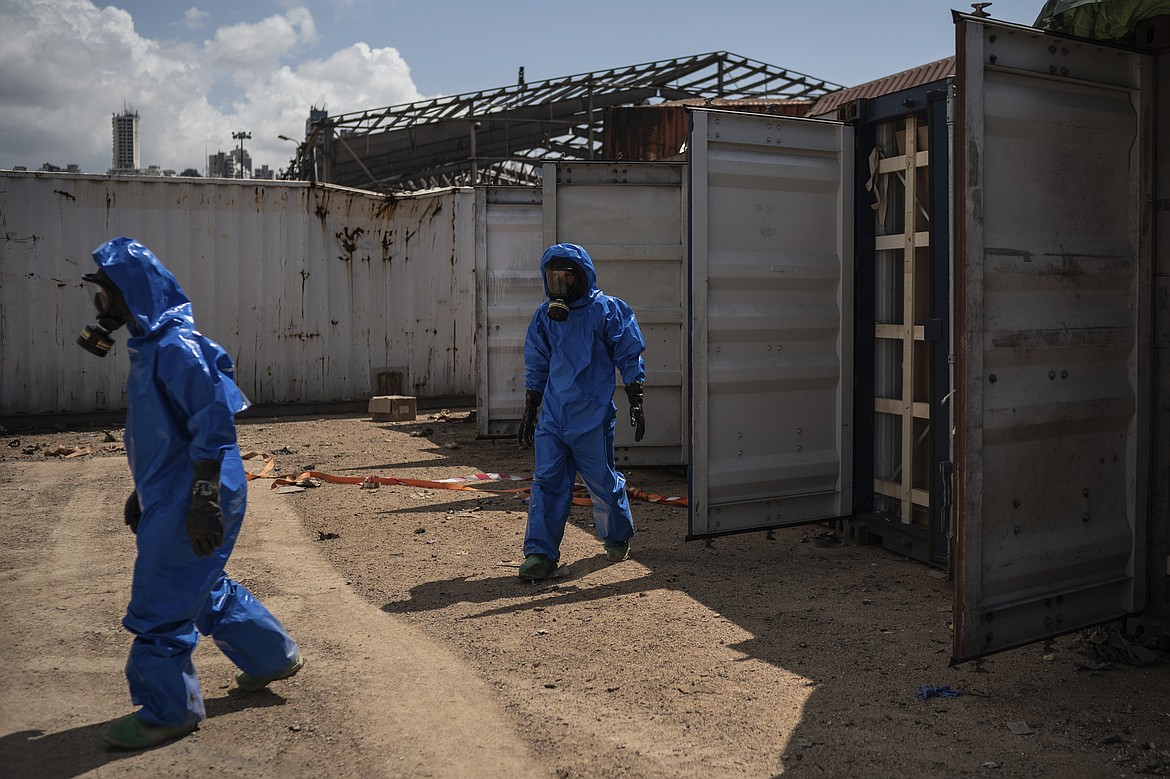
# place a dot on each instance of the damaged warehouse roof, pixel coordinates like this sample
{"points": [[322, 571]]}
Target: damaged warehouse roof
{"points": [[501, 136]]}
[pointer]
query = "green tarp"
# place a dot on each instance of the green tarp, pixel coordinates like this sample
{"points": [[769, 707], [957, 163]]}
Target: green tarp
{"points": [[1104, 20]]}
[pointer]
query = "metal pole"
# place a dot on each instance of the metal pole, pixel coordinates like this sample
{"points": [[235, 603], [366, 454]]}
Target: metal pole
{"points": [[590, 120], [240, 136], [474, 166]]}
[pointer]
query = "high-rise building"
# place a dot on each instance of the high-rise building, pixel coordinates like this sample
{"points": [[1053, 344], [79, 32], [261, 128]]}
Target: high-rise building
{"points": [[241, 163], [316, 116], [127, 155], [221, 166]]}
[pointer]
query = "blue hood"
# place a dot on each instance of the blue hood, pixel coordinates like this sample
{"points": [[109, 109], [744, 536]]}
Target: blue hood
{"points": [[571, 251], [151, 292]]}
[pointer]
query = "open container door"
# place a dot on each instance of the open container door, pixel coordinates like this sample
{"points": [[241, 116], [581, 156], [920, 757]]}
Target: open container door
{"points": [[770, 362], [1053, 312]]}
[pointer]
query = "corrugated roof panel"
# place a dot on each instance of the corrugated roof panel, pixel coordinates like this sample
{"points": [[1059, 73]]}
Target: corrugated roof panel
{"points": [[923, 74]]}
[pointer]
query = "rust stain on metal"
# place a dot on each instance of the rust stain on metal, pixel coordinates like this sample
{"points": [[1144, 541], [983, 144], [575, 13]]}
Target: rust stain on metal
{"points": [[348, 239], [658, 132], [386, 208], [304, 281], [387, 243]]}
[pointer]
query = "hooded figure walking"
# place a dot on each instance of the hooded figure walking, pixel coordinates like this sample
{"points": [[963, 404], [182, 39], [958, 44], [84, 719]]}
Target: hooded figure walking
{"points": [[575, 341], [188, 503]]}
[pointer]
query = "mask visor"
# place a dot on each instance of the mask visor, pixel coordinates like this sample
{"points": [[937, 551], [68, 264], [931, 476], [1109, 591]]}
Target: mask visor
{"points": [[561, 282]]}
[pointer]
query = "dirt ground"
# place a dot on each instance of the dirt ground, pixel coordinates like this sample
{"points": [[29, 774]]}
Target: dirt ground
{"points": [[754, 655]]}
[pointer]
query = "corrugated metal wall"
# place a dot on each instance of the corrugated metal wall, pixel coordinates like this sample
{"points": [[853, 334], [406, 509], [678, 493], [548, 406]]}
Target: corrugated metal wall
{"points": [[632, 219], [510, 244], [320, 294]]}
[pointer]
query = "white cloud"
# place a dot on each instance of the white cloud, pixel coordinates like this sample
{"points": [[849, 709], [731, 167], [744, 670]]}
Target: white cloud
{"points": [[249, 48], [68, 66], [195, 18]]}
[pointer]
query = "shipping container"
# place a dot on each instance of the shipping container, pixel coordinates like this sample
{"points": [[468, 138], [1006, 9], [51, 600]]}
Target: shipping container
{"points": [[319, 293], [632, 221], [1003, 381]]}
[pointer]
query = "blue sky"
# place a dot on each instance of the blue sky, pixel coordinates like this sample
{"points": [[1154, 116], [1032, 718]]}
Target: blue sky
{"points": [[198, 70]]}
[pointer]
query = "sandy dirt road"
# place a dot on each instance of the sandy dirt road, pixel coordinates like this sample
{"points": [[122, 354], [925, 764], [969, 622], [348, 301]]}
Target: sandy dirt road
{"points": [[755, 655], [378, 698]]}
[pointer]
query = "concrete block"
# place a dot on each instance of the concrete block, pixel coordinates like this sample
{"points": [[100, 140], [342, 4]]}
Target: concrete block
{"points": [[393, 408]]}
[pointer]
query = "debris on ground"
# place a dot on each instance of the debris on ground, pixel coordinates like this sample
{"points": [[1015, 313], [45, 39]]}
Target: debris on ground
{"points": [[925, 692], [68, 452], [1110, 643]]}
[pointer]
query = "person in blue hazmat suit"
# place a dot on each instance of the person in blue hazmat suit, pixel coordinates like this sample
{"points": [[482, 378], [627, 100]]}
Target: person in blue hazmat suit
{"points": [[575, 341], [188, 503]]}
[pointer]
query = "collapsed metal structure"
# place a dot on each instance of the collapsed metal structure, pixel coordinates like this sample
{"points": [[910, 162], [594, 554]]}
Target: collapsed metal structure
{"points": [[502, 136]]}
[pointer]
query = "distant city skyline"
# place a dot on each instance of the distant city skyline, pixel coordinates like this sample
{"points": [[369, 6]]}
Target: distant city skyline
{"points": [[126, 157]]}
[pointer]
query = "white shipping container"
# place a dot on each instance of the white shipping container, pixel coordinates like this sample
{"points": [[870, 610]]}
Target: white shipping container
{"points": [[319, 293]]}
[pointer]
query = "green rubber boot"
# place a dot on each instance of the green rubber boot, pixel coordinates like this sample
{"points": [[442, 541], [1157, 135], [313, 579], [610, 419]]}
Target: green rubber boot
{"points": [[133, 732], [249, 683], [536, 567], [616, 552]]}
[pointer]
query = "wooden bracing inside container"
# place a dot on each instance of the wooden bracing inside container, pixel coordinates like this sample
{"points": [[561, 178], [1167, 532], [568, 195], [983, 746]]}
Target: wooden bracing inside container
{"points": [[900, 181]]}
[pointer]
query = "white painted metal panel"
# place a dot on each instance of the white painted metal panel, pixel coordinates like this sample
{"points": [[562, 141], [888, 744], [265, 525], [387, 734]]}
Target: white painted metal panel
{"points": [[509, 244], [1053, 286], [320, 294], [770, 321], [631, 218]]}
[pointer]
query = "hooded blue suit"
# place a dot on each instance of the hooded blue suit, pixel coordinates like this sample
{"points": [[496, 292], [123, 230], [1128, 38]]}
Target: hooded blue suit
{"points": [[572, 363], [182, 401]]}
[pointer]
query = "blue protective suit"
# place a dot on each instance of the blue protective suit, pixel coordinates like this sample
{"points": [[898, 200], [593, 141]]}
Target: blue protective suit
{"points": [[572, 363], [182, 402]]}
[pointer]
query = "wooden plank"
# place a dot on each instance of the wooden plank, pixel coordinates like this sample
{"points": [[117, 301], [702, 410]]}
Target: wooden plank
{"points": [[900, 163], [893, 489], [895, 241], [906, 491], [897, 407]]}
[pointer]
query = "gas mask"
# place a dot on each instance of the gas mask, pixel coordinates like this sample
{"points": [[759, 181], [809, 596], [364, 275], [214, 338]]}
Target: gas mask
{"points": [[565, 282], [112, 313]]}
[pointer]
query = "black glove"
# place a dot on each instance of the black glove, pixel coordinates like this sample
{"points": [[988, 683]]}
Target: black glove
{"points": [[637, 417], [132, 512], [527, 432], [205, 520]]}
